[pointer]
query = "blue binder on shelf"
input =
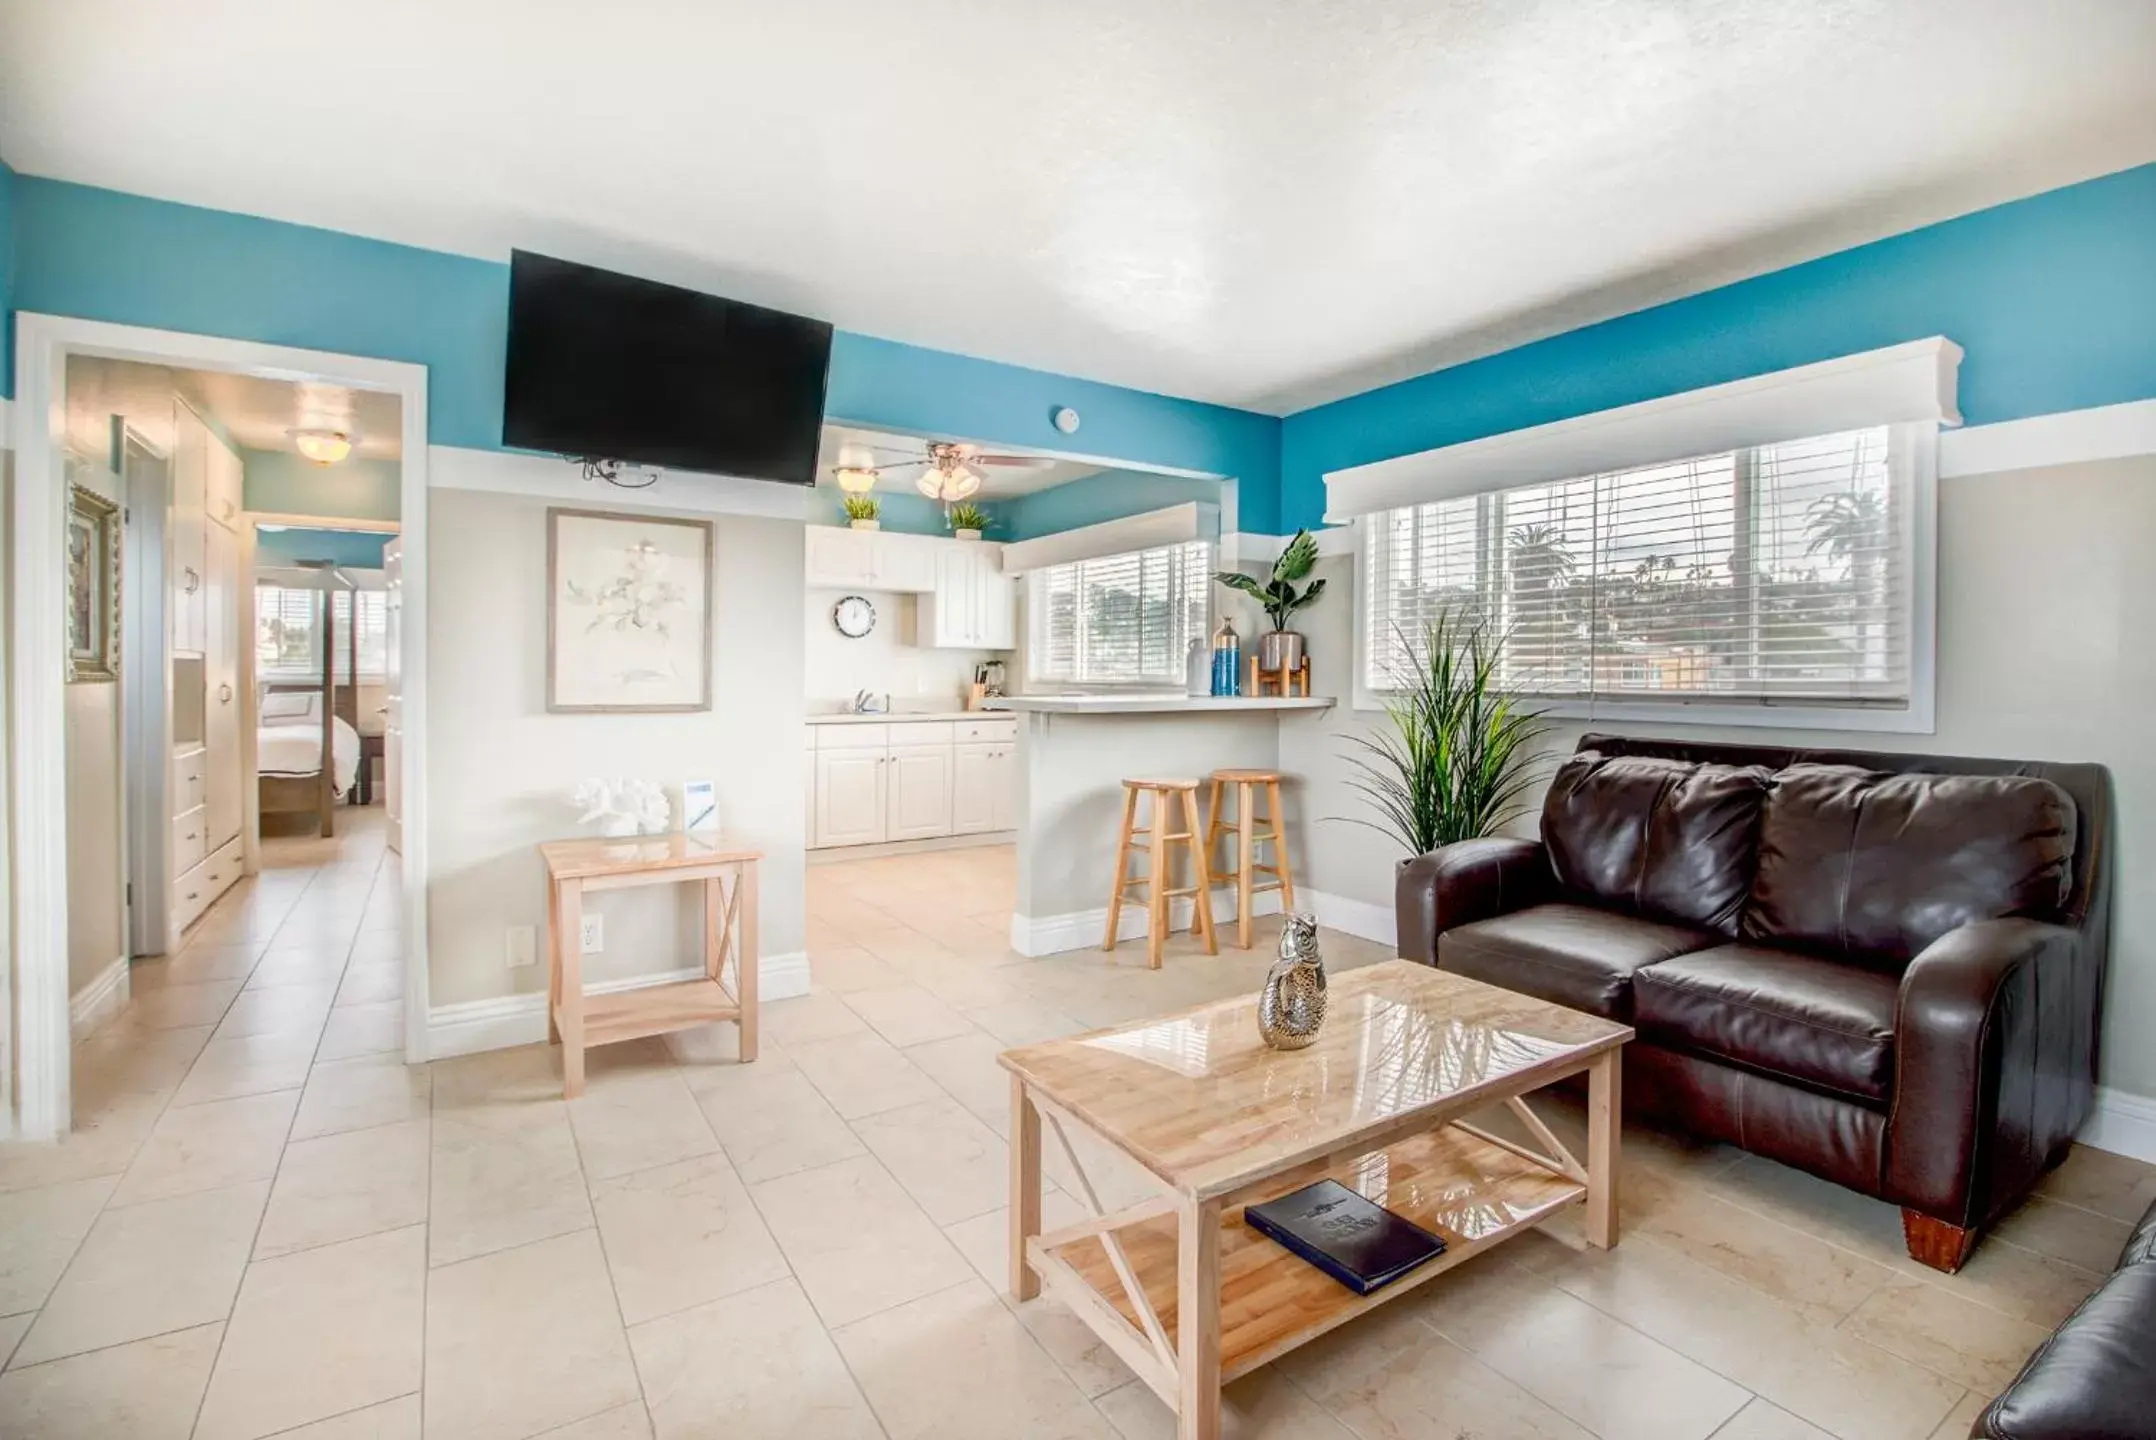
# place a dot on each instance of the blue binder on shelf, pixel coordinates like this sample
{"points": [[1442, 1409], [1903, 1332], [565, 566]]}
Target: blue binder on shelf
{"points": [[1363, 1246]]}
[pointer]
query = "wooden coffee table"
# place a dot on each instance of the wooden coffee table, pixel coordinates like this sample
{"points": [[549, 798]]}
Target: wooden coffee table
{"points": [[1178, 1286]]}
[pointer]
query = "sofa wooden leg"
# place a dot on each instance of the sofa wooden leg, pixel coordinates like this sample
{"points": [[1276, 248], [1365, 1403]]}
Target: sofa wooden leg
{"points": [[1934, 1242]]}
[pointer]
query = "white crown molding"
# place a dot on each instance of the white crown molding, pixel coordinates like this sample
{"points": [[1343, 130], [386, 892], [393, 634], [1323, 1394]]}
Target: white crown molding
{"points": [[511, 1020], [2121, 1123], [101, 999], [1171, 525], [549, 477], [1245, 548], [2069, 437]]}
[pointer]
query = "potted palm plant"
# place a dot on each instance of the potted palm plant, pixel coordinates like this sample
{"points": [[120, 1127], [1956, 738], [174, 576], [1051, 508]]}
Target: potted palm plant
{"points": [[1453, 764], [967, 520], [861, 512], [1281, 649]]}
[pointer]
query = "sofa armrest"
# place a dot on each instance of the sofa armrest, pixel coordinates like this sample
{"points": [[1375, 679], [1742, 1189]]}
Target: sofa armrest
{"points": [[1461, 883], [1988, 1038], [2096, 1376]]}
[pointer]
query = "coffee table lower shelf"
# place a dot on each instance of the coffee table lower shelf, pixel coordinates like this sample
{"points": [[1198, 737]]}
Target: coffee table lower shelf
{"points": [[1467, 1190]]}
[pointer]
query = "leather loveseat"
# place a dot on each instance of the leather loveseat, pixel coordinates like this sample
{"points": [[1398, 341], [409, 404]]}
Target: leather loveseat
{"points": [[1884, 969]]}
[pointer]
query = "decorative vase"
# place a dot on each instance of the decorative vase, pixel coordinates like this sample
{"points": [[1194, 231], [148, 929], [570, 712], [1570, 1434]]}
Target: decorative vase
{"points": [[967, 534], [864, 524], [1280, 651], [1291, 1007]]}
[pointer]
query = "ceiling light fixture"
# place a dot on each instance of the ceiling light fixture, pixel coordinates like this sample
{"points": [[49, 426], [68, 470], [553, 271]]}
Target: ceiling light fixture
{"points": [[323, 447], [855, 479], [947, 480]]}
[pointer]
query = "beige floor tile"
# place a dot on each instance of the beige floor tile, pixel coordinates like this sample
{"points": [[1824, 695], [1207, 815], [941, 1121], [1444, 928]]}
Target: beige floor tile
{"points": [[1969, 1343], [146, 1390], [985, 1239], [681, 1235], [862, 1074], [166, 1006], [193, 965], [845, 968], [202, 1147], [1822, 1281], [494, 1189], [104, 1142], [957, 1364], [126, 1058], [965, 1068], [774, 1122], [1761, 1421], [146, 1269], [1023, 1022], [807, 1017], [2098, 1180], [359, 1093], [856, 1241], [39, 1233], [1257, 1407], [499, 1085], [320, 1333], [637, 1121], [1592, 1368], [248, 1065], [362, 1030], [2065, 1232], [954, 1166], [2017, 1282], [285, 1010], [396, 1419], [315, 967], [378, 946], [623, 1422], [341, 1187], [782, 1380], [372, 982], [525, 1340], [907, 1014], [1962, 1419]]}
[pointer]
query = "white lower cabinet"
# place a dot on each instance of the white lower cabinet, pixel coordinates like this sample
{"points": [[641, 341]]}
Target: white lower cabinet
{"points": [[911, 781]]}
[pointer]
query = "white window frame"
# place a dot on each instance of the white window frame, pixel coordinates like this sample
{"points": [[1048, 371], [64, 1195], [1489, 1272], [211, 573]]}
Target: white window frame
{"points": [[1914, 446], [1116, 687], [310, 672]]}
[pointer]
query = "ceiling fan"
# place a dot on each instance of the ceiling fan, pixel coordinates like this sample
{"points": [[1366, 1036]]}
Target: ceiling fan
{"points": [[947, 472]]}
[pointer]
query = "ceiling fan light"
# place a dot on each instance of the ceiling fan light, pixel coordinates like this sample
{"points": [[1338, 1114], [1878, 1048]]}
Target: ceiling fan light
{"points": [[855, 479], [963, 484], [930, 484], [323, 447]]}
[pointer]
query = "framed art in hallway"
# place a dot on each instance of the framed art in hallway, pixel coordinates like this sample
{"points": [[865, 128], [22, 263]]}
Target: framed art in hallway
{"points": [[628, 613], [93, 586]]}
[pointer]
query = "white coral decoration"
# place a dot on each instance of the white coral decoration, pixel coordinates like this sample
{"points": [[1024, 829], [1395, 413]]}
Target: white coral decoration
{"points": [[623, 807]]}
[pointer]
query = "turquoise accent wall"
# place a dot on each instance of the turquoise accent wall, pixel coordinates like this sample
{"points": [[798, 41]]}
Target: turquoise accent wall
{"points": [[277, 482], [358, 549], [906, 511], [1110, 495], [2053, 298], [7, 282], [103, 255]]}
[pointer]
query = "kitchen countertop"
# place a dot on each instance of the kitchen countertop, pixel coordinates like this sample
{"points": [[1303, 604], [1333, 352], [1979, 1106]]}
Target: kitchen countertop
{"points": [[1157, 704], [847, 717]]}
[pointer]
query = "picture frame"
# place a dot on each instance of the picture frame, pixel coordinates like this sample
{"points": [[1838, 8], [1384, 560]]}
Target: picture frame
{"points": [[93, 587], [628, 613]]}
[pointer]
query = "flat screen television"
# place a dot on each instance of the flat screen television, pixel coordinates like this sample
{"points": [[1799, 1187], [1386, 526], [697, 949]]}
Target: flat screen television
{"points": [[610, 367]]}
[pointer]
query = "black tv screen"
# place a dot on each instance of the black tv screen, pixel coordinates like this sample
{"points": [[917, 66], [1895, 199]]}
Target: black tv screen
{"points": [[609, 367]]}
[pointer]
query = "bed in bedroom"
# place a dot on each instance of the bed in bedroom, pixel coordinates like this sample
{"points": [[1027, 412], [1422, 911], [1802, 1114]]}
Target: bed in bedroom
{"points": [[297, 725]]}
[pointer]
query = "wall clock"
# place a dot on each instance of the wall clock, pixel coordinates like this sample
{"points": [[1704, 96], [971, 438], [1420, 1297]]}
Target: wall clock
{"points": [[853, 616]]}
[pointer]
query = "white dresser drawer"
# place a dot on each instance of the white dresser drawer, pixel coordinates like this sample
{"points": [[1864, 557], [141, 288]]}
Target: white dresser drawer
{"points": [[195, 889], [1003, 729], [190, 838], [920, 732], [190, 785]]}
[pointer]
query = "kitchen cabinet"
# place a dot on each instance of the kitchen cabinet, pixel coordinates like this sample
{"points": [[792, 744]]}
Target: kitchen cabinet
{"points": [[849, 796], [189, 602], [911, 780], [973, 605], [917, 789], [871, 560]]}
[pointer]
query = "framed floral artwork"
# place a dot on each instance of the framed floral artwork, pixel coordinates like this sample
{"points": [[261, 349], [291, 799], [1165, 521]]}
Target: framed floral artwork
{"points": [[93, 587], [628, 613]]}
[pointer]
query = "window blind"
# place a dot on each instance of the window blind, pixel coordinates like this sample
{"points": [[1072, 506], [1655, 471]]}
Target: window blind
{"points": [[285, 632], [1775, 573], [1123, 619]]}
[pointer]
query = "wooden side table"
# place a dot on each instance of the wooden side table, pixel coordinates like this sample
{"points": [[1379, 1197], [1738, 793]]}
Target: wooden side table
{"points": [[578, 1021]]}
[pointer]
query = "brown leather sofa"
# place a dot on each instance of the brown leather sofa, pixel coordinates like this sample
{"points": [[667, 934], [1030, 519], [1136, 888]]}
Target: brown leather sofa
{"points": [[1883, 969]]}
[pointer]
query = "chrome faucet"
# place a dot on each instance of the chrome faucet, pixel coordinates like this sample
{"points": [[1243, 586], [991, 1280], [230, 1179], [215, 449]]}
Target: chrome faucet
{"points": [[866, 704]]}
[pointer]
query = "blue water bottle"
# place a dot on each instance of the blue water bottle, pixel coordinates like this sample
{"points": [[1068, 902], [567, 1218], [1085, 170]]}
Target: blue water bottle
{"points": [[1227, 660]]}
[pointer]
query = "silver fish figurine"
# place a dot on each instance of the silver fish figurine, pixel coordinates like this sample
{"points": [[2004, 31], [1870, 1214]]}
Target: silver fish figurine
{"points": [[1291, 1007]]}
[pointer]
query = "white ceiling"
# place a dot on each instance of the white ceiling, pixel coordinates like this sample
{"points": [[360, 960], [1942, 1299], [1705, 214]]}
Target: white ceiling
{"points": [[258, 414], [998, 482], [1261, 202]]}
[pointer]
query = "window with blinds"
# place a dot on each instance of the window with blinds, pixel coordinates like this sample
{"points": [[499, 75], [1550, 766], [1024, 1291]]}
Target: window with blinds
{"points": [[1118, 619], [287, 634], [1779, 574]]}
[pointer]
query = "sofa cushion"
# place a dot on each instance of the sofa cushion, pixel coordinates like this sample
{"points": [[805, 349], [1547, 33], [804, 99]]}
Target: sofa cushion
{"points": [[2140, 1246], [2095, 1378], [1573, 955], [1877, 866], [1801, 1018], [1664, 839]]}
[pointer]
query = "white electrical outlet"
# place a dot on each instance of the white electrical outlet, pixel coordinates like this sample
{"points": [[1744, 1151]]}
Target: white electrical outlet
{"points": [[522, 943], [594, 934]]}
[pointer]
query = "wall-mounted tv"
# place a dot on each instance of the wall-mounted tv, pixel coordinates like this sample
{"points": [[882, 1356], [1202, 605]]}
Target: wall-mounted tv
{"points": [[610, 367]]}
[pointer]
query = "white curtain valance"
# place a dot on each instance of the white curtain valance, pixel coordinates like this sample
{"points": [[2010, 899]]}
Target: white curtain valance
{"points": [[1176, 525], [1902, 383]]}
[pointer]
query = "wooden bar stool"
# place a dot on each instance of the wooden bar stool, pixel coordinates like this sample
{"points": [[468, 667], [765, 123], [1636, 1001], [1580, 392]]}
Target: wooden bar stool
{"points": [[1167, 797], [1246, 868]]}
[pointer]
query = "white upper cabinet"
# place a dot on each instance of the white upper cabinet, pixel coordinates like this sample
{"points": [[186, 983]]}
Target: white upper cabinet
{"points": [[973, 606], [841, 557], [907, 563], [223, 477]]}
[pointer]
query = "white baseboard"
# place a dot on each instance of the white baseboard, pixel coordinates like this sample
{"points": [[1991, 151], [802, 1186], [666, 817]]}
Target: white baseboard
{"points": [[1356, 917], [1082, 929], [101, 999], [511, 1020], [2123, 1124]]}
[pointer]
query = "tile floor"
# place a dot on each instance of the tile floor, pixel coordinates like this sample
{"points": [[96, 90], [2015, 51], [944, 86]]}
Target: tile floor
{"points": [[267, 1225]]}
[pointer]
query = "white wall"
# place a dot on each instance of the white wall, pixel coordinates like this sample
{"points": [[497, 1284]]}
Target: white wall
{"points": [[2047, 601], [501, 768], [95, 926], [886, 660]]}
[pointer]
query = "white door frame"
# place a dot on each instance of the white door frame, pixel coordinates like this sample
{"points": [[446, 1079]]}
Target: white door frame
{"points": [[36, 982]]}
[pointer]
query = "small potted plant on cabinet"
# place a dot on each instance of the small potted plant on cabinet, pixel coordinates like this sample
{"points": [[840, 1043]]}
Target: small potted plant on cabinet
{"points": [[1281, 649], [861, 512], [967, 520]]}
